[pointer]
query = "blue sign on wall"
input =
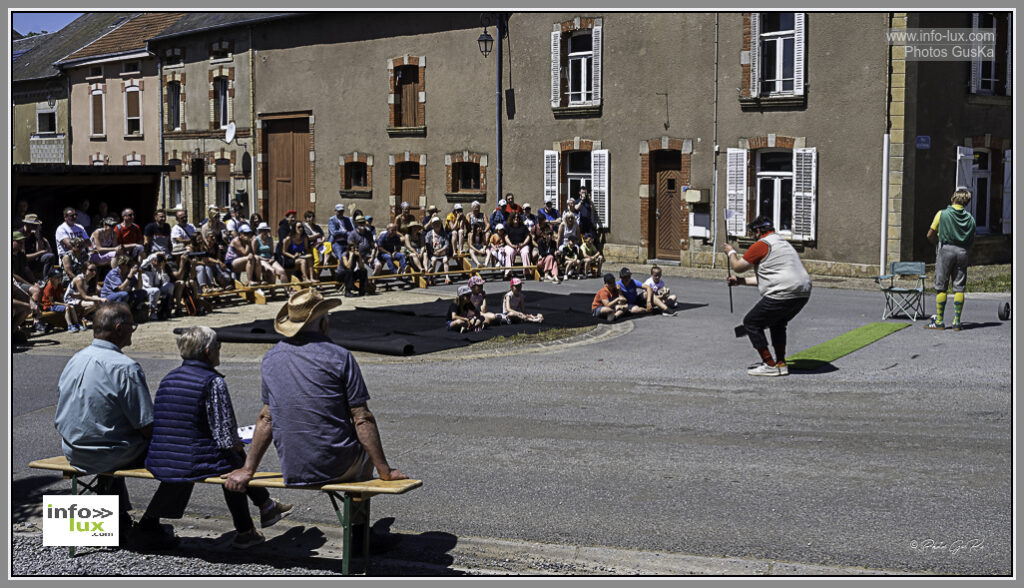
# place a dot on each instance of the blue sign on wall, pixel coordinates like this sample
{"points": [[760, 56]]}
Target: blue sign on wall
{"points": [[924, 142]]}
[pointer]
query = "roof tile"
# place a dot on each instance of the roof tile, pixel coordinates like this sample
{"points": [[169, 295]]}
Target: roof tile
{"points": [[130, 36]]}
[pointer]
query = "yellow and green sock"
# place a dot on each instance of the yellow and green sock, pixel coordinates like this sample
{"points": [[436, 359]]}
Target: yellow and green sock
{"points": [[958, 306], [940, 306]]}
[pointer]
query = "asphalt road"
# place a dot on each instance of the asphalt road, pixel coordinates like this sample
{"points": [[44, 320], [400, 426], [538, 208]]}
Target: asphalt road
{"points": [[896, 457]]}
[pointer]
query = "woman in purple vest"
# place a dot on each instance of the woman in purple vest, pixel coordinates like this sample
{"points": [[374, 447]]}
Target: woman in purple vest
{"points": [[195, 437]]}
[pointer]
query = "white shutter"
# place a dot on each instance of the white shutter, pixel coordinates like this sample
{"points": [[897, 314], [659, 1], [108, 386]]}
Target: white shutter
{"points": [[736, 191], [964, 168], [1009, 56], [596, 63], [975, 64], [556, 68], [805, 193], [1007, 192], [798, 54], [755, 55], [550, 176], [599, 186]]}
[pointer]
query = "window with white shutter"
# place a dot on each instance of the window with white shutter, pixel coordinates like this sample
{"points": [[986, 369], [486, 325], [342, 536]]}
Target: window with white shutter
{"points": [[576, 56], [736, 192], [551, 176], [777, 48], [1007, 192], [805, 193], [599, 186], [992, 77], [964, 168], [556, 69]]}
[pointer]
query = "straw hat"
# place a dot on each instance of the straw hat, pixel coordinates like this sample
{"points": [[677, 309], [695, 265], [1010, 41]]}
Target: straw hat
{"points": [[302, 308]]}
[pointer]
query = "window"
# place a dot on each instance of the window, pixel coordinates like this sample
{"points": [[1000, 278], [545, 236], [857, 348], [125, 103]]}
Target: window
{"points": [[97, 128], [355, 176], [465, 176], [174, 58], [1007, 220], [223, 182], [174, 106], [974, 171], [785, 190], [992, 77], [174, 185], [46, 119], [777, 54], [96, 71], [406, 96], [576, 63], [132, 111], [220, 102], [580, 169], [221, 50], [130, 67]]}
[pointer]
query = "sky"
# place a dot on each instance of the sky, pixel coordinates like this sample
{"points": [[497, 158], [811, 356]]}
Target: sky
{"points": [[37, 22]]}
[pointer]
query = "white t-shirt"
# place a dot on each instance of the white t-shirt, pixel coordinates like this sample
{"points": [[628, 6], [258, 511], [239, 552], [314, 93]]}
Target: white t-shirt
{"points": [[514, 302], [181, 232], [65, 231], [654, 285]]}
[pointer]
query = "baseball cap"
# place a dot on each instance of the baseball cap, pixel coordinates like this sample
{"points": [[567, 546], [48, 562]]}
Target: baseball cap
{"points": [[339, 207], [625, 272], [761, 223], [369, 217], [500, 227], [502, 202], [245, 229], [463, 290], [405, 205], [517, 282], [263, 227], [56, 272], [476, 281], [286, 213], [458, 206], [434, 219], [17, 235], [609, 278], [475, 204], [527, 205]]}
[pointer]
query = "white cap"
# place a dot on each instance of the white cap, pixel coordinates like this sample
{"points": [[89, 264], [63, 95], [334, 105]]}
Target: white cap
{"points": [[458, 206], [263, 227], [434, 219], [500, 227], [405, 205], [245, 229], [339, 207], [502, 202]]}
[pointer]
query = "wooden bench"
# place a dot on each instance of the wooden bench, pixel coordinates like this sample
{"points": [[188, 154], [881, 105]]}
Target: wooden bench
{"points": [[353, 496]]}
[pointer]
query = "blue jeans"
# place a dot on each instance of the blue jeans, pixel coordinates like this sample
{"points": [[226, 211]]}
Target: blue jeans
{"points": [[388, 258], [133, 298]]}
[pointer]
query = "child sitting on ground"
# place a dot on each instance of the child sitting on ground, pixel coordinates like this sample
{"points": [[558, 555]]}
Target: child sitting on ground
{"points": [[514, 304], [53, 298], [462, 315], [663, 298], [479, 299], [592, 258]]}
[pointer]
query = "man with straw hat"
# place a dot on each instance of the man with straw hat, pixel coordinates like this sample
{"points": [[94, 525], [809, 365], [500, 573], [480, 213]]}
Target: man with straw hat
{"points": [[314, 405]]}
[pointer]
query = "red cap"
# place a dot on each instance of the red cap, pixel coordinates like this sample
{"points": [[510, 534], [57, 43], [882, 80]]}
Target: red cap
{"points": [[290, 212]]}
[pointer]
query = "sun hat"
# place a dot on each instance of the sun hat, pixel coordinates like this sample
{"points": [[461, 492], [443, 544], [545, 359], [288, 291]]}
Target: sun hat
{"points": [[245, 229], [431, 208], [464, 290], [302, 308], [17, 235], [517, 282], [263, 227], [360, 219], [475, 204], [339, 207], [414, 225], [31, 219]]}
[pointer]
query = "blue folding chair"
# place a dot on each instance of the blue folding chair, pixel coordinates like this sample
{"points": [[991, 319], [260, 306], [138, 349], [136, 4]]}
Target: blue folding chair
{"points": [[899, 300]]}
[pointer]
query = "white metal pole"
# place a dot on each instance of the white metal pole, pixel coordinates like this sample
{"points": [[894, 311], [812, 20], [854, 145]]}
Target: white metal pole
{"points": [[884, 238]]}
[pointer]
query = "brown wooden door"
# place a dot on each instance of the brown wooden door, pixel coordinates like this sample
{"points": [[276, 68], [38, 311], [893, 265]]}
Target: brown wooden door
{"points": [[407, 178], [287, 167], [408, 97], [198, 190], [667, 223]]}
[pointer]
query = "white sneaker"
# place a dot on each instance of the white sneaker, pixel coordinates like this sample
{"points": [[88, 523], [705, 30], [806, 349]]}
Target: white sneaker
{"points": [[764, 369], [783, 370]]}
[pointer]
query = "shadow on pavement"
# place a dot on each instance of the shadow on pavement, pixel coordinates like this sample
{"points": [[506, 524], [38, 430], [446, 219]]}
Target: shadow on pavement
{"points": [[810, 366], [27, 495]]}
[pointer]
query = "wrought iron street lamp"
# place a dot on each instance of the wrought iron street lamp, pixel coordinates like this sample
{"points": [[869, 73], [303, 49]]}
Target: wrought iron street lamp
{"points": [[486, 43]]}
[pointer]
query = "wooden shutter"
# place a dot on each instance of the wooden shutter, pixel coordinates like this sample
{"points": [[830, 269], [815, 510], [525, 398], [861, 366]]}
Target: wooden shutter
{"points": [[1007, 192], [595, 39], [223, 170], [550, 176], [599, 186], [97, 114], [964, 168], [736, 191], [975, 63], [798, 53], [556, 68], [755, 58], [805, 193], [175, 174]]}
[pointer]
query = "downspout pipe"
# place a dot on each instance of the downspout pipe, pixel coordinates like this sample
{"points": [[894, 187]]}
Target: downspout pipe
{"points": [[714, 158], [883, 240], [500, 22], [252, 126], [160, 131]]}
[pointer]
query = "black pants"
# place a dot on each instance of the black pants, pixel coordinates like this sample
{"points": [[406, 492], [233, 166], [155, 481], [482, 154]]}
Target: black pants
{"points": [[774, 315], [171, 498], [349, 277]]}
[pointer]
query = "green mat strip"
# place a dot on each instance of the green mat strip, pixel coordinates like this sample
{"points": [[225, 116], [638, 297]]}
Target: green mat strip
{"points": [[844, 344]]}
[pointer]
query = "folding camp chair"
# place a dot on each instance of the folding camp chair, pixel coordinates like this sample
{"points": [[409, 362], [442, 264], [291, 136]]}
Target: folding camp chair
{"points": [[898, 300]]}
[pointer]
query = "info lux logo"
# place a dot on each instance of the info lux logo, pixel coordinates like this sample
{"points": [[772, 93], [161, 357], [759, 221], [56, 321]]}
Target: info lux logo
{"points": [[80, 520]]}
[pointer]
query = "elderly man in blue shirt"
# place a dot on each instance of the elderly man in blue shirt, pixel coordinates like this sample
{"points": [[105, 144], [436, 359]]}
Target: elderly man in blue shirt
{"points": [[104, 410]]}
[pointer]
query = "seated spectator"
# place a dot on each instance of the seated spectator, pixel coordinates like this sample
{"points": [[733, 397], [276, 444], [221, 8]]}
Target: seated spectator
{"points": [[195, 437], [157, 234], [211, 272], [572, 258], [20, 210], [241, 257], [235, 221], [547, 257], [23, 289], [287, 225], [413, 246], [528, 215], [338, 228], [550, 214], [389, 248], [592, 258], [82, 294], [53, 300], [69, 228], [83, 215], [351, 268], [186, 274], [255, 219], [568, 228], [163, 290], [122, 284], [456, 225], [511, 207], [263, 243], [75, 260], [514, 304], [296, 253], [477, 245], [38, 251], [496, 247], [637, 295], [129, 235], [105, 246], [404, 218], [439, 249], [431, 213], [517, 244], [662, 297], [362, 237], [479, 299], [497, 217], [609, 303], [462, 314], [315, 235], [476, 218], [181, 233]]}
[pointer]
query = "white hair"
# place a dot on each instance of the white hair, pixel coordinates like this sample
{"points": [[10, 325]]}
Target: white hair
{"points": [[195, 342]]}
